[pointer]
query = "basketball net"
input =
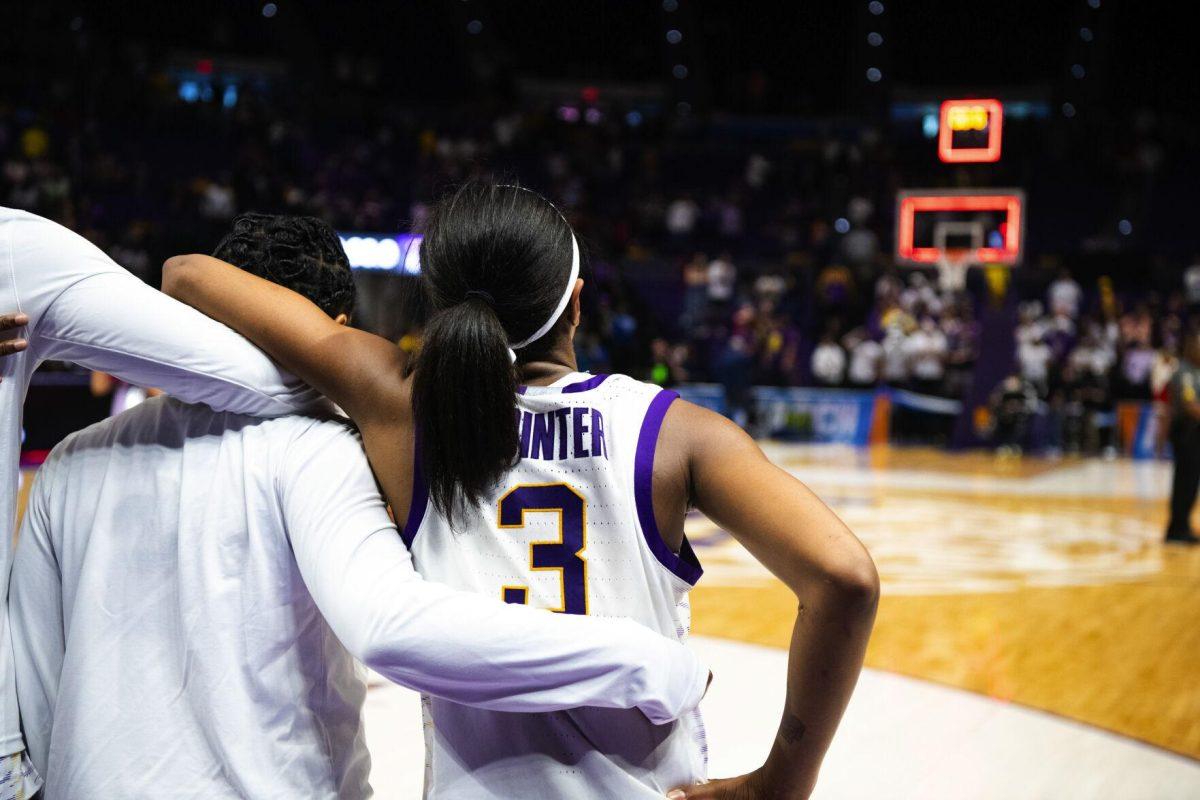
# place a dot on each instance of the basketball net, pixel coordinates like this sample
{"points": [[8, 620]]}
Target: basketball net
{"points": [[952, 269]]}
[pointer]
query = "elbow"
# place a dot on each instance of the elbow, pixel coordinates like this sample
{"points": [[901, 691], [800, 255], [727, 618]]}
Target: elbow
{"points": [[371, 656], [863, 584], [852, 583], [372, 652], [176, 273], [391, 643], [858, 583]]}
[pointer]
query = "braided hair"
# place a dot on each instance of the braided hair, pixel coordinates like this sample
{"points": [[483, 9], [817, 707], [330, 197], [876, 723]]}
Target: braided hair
{"points": [[303, 254]]}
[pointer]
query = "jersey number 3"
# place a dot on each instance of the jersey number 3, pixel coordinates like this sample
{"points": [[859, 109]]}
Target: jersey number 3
{"points": [[564, 554]]}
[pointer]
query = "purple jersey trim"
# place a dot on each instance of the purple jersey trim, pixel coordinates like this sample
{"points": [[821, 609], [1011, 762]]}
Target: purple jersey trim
{"points": [[685, 565], [420, 498], [583, 386], [573, 388]]}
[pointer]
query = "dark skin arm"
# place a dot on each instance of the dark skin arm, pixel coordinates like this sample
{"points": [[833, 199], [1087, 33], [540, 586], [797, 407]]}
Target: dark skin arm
{"points": [[359, 371], [708, 461]]}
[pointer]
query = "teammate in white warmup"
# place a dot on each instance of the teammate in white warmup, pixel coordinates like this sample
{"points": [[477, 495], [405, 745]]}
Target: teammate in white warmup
{"points": [[67, 300], [189, 581]]}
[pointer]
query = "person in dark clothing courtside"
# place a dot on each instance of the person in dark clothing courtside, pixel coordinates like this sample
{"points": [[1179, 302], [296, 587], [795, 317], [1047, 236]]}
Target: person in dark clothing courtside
{"points": [[1185, 441]]}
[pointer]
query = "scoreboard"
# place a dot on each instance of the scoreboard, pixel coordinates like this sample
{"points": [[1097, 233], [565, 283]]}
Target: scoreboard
{"points": [[969, 131]]}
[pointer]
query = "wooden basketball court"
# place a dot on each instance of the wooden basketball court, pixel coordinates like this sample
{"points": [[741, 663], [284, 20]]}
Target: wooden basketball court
{"points": [[1033, 585], [1037, 582]]}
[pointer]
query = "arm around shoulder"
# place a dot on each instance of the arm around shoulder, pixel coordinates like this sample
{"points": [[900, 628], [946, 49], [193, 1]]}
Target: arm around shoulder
{"points": [[453, 644], [357, 370]]}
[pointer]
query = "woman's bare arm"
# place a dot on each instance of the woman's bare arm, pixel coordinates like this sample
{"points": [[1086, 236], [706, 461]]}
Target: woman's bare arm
{"points": [[357, 370], [787, 528]]}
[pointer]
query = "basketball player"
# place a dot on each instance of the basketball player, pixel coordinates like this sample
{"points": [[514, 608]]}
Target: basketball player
{"points": [[73, 303], [174, 576], [518, 477]]}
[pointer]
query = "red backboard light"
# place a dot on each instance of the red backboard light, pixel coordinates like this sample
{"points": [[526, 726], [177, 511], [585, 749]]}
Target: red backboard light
{"points": [[1010, 202], [970, 115]]}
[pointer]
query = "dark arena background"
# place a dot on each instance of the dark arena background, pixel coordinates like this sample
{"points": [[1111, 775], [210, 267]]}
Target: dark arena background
{"points": [[940, 258]]}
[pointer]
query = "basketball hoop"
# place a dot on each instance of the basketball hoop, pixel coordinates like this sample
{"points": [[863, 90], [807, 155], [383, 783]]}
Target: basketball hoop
{"points": [[954, 230], [952, 266]]}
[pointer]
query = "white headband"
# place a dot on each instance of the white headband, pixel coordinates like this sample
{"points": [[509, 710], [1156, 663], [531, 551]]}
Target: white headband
{"points": [[562, 303]]}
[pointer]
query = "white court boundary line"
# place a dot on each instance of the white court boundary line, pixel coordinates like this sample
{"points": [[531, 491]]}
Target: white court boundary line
{"points": [[902, 738]]}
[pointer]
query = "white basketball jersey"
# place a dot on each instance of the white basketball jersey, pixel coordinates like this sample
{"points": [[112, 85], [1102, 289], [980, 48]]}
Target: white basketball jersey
{"points": [[570, 528]]}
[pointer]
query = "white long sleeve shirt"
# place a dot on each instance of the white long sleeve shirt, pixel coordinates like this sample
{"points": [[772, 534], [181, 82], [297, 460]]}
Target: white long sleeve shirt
{"points": [[84, 308], [189, 589]]}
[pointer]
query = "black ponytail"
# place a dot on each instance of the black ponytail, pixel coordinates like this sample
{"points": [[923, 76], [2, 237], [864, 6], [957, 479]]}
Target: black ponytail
{"points": [[495, 261]]}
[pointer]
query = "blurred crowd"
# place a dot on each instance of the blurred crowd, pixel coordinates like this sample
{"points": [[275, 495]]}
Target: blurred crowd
{"points": [[179, 170], [784, 332], [1076, 359], [711, 257]]}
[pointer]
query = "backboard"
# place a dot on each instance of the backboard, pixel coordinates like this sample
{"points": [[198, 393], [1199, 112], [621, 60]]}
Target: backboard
{"points": [[990, 223]]}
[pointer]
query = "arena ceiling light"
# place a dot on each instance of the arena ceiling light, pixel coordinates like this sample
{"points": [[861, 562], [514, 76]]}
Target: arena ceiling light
{"points": [[383, 252]]}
